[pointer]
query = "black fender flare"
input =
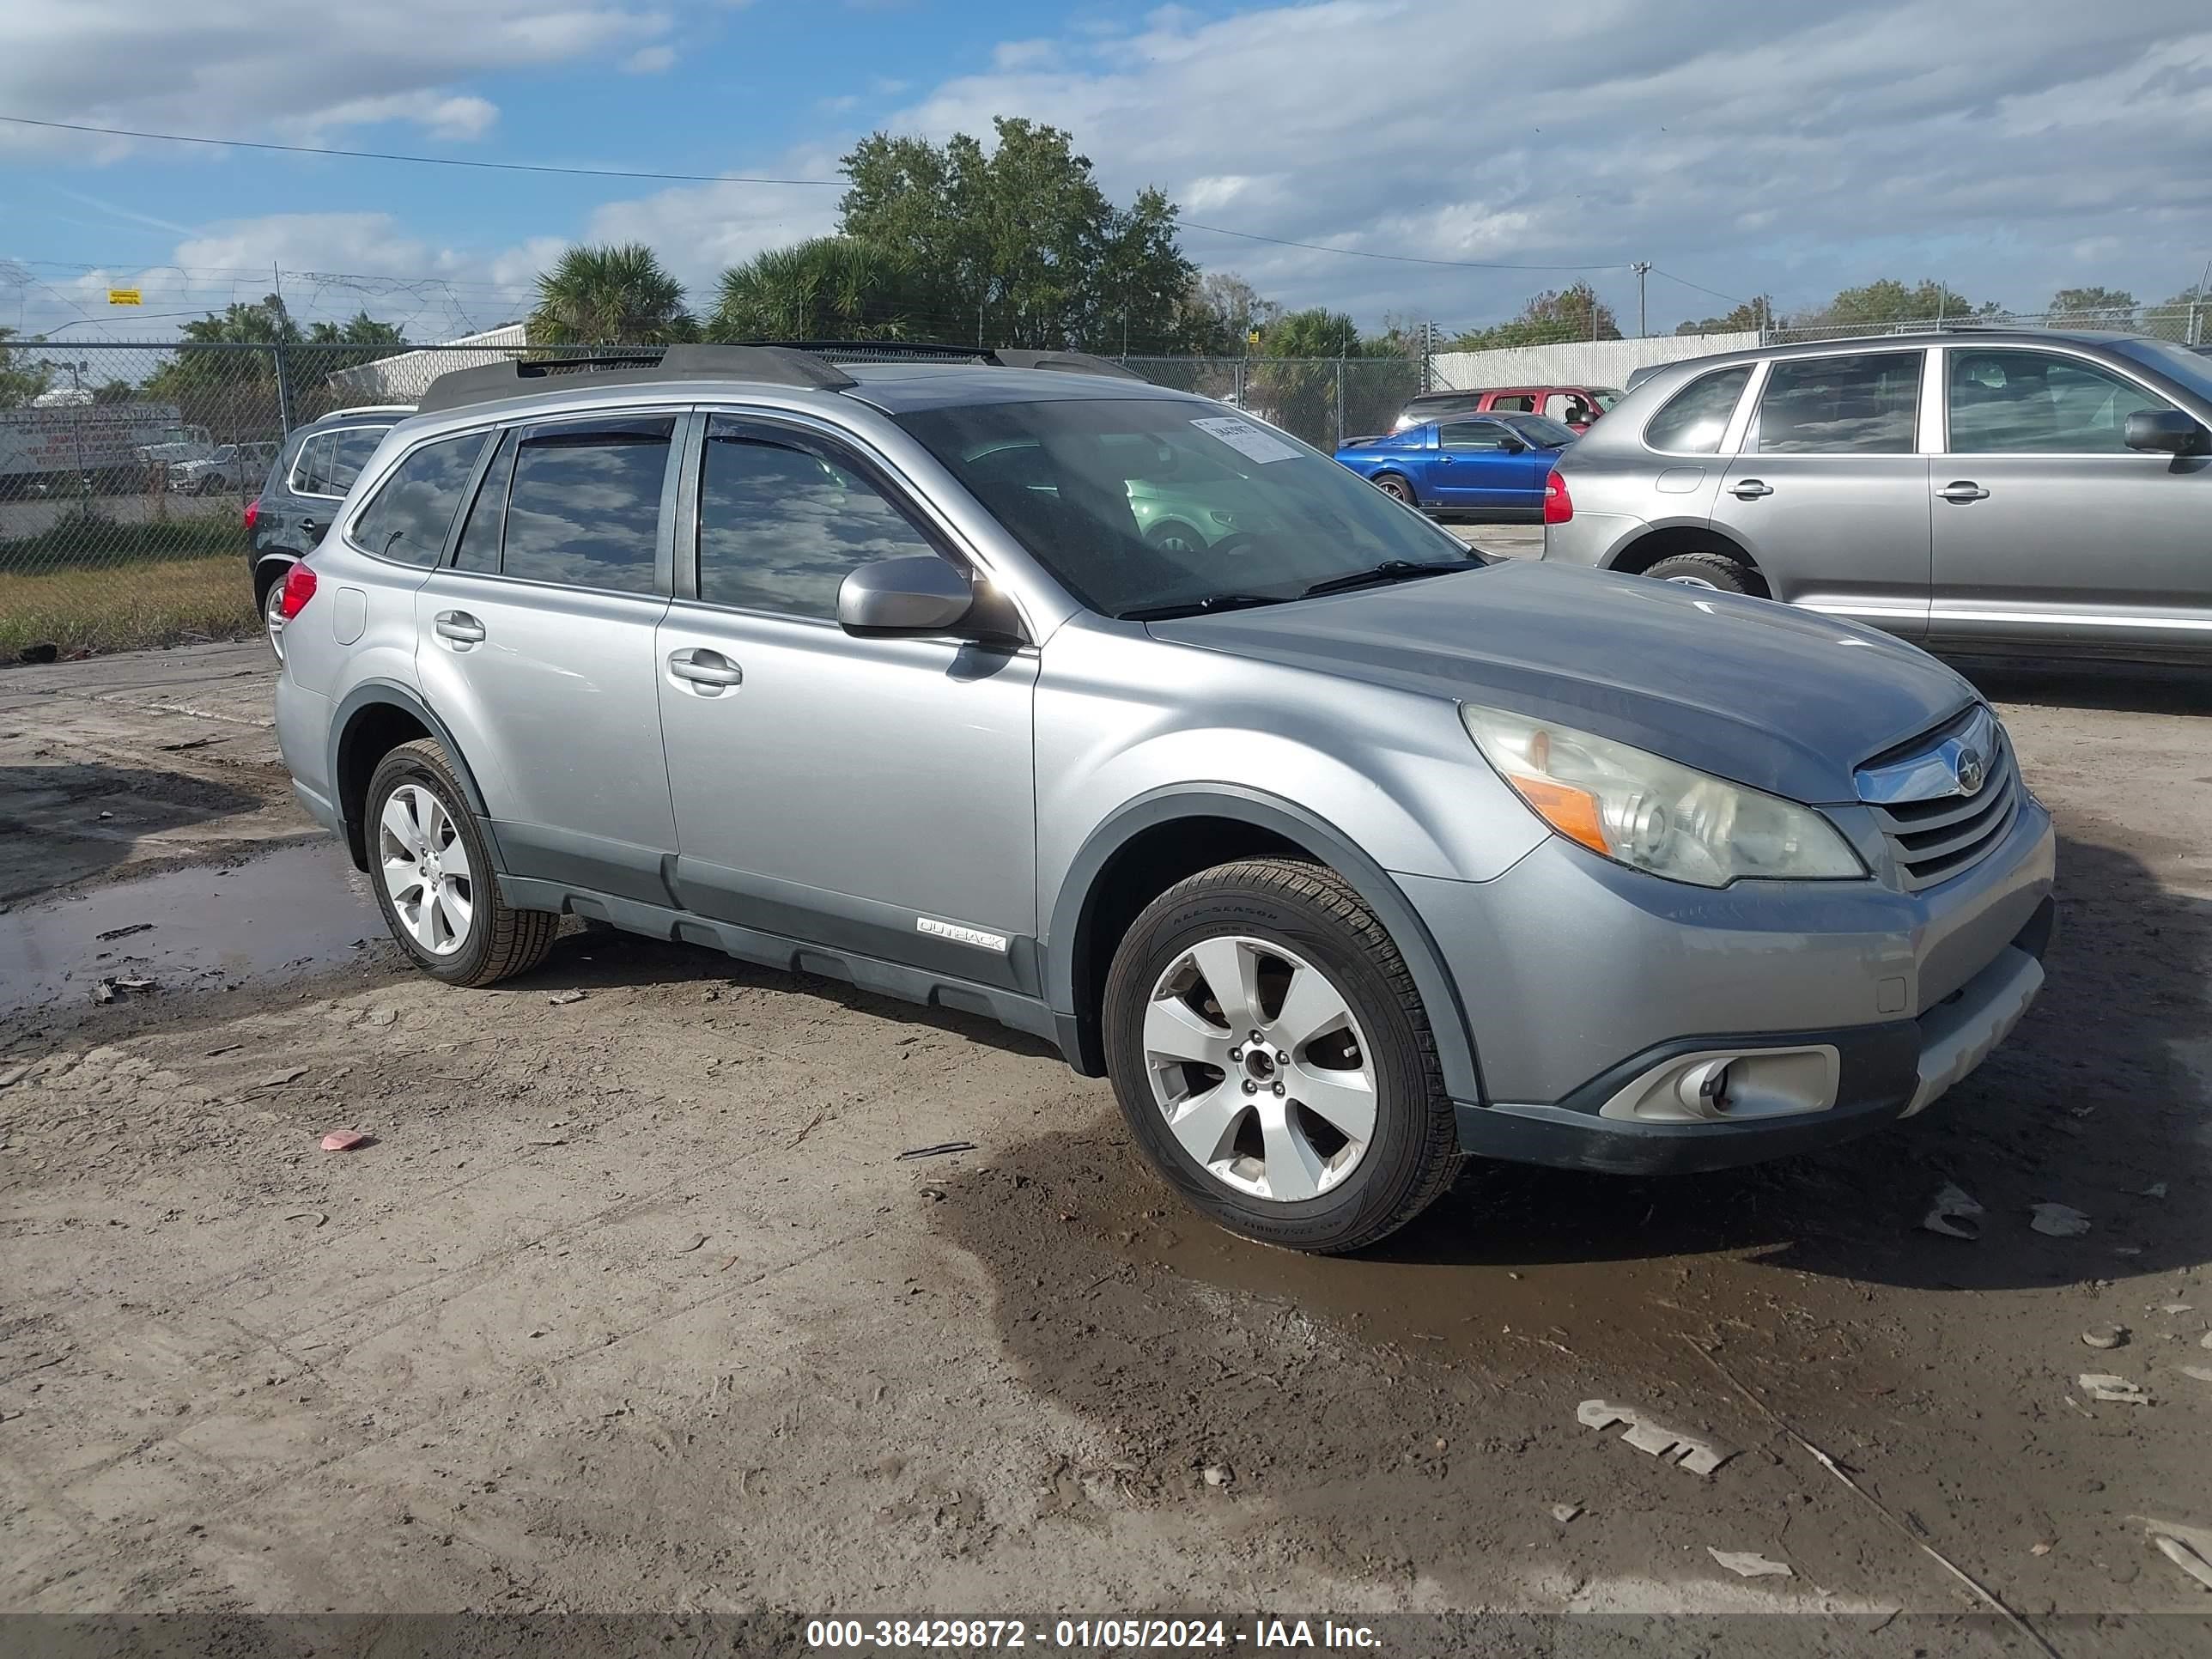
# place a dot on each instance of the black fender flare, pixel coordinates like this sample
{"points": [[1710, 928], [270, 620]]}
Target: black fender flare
{"points": [[393, 694], [1066, 940]]}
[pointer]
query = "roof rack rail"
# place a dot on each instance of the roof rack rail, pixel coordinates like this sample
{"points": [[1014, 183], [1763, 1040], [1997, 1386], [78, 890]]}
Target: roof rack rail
{"points": [[515, 378], [800, 363]]}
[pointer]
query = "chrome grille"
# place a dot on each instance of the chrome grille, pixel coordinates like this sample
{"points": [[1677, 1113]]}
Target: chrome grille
{"points": [[1936, 829]]}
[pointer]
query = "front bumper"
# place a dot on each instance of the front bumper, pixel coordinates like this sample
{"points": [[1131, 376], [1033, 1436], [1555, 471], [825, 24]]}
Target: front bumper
{"points": [[1592, 991]]}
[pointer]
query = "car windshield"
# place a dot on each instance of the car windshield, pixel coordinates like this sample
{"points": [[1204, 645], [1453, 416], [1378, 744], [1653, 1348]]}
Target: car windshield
{"points": [[1152, 503], [1541, 430], [2179, 364]]}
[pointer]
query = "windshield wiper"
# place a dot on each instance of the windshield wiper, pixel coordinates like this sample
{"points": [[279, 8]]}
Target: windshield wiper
{"points": [[1391, 570], [1211, 603]]}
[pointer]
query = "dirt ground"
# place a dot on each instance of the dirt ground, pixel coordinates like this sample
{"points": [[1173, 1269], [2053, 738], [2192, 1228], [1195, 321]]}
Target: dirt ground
{"points": [[632, 1304]]}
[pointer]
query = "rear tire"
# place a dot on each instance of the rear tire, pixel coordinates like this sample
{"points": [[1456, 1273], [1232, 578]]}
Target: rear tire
{"points": [[1282, 1168], [454, 926], [1397, 488], [1712, 570]]}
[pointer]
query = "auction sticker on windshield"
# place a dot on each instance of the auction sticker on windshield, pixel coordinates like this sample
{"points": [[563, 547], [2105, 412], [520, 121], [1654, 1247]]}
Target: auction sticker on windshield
{"points": [[1246, 439]]}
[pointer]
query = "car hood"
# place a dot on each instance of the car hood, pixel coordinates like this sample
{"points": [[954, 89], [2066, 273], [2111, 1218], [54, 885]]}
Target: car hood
{"points": [[1783, 700]]}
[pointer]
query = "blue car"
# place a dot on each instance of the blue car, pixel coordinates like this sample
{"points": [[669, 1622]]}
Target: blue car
{"points": [[1490, 463]]}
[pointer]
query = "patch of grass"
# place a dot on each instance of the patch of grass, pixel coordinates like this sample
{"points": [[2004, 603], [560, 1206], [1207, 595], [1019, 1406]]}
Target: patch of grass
{"points": [[150, 602], [81, 540]]}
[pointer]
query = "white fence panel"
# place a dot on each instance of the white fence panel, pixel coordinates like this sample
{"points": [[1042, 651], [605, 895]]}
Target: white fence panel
{"points": [[1576, 362]]}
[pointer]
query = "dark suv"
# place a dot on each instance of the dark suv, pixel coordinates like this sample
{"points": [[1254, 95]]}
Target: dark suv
{"points": [[313, 471]]}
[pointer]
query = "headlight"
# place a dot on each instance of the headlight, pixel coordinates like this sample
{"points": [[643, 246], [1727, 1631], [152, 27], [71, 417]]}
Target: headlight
{"points": [[1655, 815]]}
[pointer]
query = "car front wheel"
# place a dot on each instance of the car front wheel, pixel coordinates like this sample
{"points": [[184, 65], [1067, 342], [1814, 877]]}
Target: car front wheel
{"points": [[1274, 1060]]}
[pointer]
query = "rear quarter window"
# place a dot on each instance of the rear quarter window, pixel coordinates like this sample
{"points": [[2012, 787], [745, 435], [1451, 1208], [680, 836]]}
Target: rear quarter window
{"points": [[407, 519], [1694, 420]]}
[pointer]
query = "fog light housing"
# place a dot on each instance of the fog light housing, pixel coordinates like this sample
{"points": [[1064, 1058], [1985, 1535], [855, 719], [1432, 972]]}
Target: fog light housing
{"points": [[1731, 1085]]}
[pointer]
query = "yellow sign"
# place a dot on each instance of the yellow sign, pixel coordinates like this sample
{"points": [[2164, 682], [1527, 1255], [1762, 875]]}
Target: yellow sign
{"points": [[126, 296], [1252, 337]]}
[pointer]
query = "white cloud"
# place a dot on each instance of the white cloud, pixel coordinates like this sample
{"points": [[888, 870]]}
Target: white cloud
{"points": [[236, 67], [651, 60]]}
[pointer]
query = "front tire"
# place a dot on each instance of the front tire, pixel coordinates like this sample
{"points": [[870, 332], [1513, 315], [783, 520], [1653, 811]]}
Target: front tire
{"points": [[1716, 571], [432, 871], [1329, 1130]]}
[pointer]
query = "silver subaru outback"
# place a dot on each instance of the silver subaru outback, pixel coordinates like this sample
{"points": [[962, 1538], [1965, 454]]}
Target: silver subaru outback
{"points": [[1343, 850]]}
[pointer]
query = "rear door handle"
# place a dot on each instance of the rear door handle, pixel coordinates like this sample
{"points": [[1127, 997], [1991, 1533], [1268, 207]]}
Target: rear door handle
{"points": [[458, 627], [1750, 489], [1965, 490], [311, 530], [710, 672]]}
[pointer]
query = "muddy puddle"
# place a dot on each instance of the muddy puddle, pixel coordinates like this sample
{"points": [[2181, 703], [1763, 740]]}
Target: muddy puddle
{"points": [[203, 927]]}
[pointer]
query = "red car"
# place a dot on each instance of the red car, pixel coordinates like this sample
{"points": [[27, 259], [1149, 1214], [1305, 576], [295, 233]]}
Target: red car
{"points": [[1576, 406]]}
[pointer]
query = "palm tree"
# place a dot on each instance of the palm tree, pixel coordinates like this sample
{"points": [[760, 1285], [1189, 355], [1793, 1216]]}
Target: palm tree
{"points": [[610, 295], [828, 288]]}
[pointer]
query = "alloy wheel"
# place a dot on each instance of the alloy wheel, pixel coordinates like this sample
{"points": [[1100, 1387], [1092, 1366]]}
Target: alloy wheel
{"points": [[425, 866], [1693, 581], [272, 616], [1258, 1067]]}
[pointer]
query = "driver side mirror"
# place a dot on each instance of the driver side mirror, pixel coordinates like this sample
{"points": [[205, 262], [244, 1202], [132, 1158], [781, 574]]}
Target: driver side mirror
{"points": [[919, 594], [2167, 431]]}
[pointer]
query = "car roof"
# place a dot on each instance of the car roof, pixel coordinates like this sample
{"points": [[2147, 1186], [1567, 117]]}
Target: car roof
{"points": [[903, 388], [1917, 340]]}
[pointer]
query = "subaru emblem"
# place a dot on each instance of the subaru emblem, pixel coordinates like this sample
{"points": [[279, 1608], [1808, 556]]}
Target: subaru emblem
{"points": [[1972, 769]]}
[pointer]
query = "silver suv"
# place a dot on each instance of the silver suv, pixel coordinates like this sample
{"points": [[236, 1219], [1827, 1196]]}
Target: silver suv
{"points": [[1342, 850], [1984, 493]]}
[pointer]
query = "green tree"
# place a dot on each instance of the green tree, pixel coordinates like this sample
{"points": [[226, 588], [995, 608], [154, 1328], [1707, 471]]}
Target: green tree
{"points": [[1756, 312], [1573, 313], [828, 288], [1219, 310], [2093, 308], [1304, 357], [2186, 317], [114, 391], [21, 378], [217, 385], [1889, 303], [617, 294], [1028, 250], [338, 346]]}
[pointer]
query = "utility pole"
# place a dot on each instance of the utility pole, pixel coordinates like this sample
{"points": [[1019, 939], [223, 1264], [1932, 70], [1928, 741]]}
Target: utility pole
{"points": [[1642, 268]]}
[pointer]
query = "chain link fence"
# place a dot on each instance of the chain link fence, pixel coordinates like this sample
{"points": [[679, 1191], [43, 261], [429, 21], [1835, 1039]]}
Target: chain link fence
{"points": [[126, 470]]}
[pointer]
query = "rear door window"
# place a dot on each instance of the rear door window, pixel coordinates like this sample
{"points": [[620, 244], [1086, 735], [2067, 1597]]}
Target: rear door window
{"points": [[584, 509], [1694, 420], [1515, 403], [1863, 404], [407, 519]]}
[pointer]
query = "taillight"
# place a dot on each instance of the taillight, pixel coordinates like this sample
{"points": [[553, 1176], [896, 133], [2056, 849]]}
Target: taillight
{"points": [[1558, 506], [299, 588], [253, 513]]}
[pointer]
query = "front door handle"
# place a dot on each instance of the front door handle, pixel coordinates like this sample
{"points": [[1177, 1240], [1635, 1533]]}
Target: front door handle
{"points": [[1750, 489], [710, 672], [1965, 490], [459, 629]]}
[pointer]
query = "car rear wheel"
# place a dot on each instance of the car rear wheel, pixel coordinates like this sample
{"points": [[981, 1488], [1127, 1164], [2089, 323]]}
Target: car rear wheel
{"points": [[1396, 488], [1717, 571], [1273, 1059], [272, 612], [433, 874]]}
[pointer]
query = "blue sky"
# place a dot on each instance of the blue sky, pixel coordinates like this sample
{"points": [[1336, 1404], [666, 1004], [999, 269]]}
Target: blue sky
{"points": [[2009, 146]]}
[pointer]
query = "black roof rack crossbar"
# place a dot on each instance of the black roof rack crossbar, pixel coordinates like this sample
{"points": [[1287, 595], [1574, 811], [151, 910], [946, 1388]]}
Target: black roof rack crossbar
{"points": [[773, 365], [1071, 362]]}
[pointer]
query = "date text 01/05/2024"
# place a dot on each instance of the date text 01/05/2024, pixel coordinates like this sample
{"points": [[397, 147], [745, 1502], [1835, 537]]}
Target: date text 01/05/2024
{"points": [[1078, 1635]]}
